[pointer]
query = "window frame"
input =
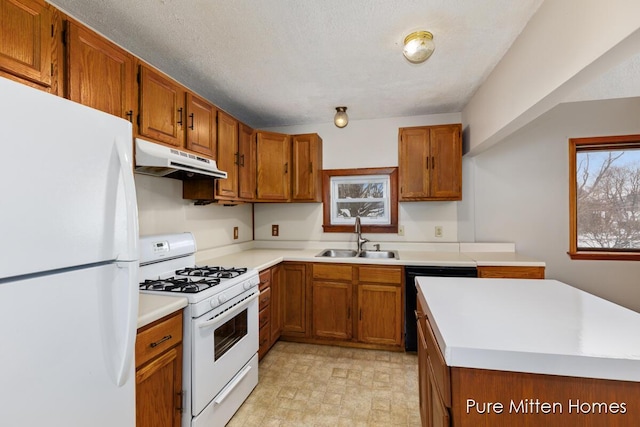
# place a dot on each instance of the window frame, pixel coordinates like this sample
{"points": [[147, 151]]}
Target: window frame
{"points": [[391, 172], [576, 145]]}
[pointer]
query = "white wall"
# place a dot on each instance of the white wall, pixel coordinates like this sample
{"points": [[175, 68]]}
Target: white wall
{"points": [[522, 194], [565, 44], [161, 209], [362, 144]]}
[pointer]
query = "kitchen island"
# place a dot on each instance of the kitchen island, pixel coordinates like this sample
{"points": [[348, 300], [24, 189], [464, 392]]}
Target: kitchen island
{"points": [[525, 352]]}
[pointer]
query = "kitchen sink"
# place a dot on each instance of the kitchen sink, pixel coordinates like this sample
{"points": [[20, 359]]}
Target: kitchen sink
{"points": [[378, 254], [349, 253], [338, 253]]}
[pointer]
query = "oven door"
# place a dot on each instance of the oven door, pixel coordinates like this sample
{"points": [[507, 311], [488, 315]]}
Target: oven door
{"points": [[224, 340]]}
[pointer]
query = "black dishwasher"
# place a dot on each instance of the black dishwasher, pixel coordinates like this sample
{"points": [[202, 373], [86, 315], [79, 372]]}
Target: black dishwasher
{"points": [[410, 273]]}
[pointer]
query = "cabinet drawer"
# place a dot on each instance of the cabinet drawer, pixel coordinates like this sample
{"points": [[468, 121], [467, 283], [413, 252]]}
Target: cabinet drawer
{"points": [[158, 337], [516, 272], [378, 274], [264, 316], [441, 372], [264, 336], [265, 279], [332, 272], [265, 298]]}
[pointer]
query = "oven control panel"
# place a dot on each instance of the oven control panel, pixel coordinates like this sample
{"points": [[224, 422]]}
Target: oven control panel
{"points": [[160, 247]]}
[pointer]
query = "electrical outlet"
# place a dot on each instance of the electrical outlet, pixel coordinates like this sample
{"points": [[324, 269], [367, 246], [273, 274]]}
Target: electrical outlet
{"points": [[438, 231], [401, 230], [275, 230], [235, 233]]}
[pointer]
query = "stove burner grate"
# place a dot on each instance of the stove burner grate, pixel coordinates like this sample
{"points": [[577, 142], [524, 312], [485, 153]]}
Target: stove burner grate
{"points": [[179, 285], [215, 272]]}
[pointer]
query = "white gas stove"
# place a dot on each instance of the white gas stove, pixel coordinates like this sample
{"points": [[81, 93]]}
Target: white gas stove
{"points": [[222, 309]]}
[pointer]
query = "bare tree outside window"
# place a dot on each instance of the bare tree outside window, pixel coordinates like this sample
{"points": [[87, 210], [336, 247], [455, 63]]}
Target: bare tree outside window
{"points": [[363, 200], [368, 193], [609, 199], [607, 195]]}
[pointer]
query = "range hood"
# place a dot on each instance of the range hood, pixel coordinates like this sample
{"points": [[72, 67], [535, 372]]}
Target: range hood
{"points": [[159, 160]]}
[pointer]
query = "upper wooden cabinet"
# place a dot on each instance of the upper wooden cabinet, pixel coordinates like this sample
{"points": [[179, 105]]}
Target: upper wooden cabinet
{"points": [[162, 110], [27, 42], [288, 168], [273, 166], [430, 163], [99, 74], [201, 126], [228, 156], [306, 180], [246, 163]]}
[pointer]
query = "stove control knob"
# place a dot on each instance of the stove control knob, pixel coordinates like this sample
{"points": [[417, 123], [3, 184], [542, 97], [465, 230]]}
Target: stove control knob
{"points": [[247, 285], [222, 299]]}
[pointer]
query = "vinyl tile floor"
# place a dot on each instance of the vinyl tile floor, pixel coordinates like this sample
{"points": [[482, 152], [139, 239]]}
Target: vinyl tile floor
{"points": [[316, 385]]}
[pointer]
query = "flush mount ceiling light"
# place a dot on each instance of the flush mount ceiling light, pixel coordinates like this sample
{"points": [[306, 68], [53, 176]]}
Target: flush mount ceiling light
{"points": [[341, 119], [418, 46]]}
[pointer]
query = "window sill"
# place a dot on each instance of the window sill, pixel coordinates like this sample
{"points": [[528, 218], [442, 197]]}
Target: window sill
{"points": [[604, 256], [365, 228]]}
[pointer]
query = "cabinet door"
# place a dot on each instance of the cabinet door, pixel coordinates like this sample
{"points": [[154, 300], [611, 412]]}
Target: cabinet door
{"points": [[100, 74], [306, 180], [437, 412], [414, 162], [273, 166], [276, 303], [159, 390], [423, 381], [380, 314], [201, 126], [294, 299], [162, 112], [227, 156], [331, 308], [446, 162], [26, 41], [247, 164]]}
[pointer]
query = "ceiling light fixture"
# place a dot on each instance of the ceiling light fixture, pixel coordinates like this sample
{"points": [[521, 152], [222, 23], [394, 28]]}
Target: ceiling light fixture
{"points": [[341, 119], [418, 46]]}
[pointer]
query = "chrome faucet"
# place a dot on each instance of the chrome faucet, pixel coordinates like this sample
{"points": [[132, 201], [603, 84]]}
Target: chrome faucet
{"points": [[358, 231]]}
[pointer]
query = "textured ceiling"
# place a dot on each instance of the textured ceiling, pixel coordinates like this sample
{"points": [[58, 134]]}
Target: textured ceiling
{"points": [[288, 62]]}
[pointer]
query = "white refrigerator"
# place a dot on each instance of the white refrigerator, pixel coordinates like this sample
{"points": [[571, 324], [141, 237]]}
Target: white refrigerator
{"points": [[68, 263]]}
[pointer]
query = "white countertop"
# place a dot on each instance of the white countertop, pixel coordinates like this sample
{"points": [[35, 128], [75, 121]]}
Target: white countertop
{"points": [[265, 258], [154, 307], [536, 326]]}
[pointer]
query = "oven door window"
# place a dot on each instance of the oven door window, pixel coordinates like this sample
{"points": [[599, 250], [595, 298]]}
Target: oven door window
{"points": [[229, 333]]}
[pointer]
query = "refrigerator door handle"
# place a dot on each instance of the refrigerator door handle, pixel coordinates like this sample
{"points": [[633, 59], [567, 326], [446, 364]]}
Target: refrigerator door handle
{"points": [[129, 332], [126, 169]]}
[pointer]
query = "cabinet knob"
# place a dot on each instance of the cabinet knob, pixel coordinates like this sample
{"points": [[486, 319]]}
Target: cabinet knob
{"points": [[191, 116], [180, 116]]}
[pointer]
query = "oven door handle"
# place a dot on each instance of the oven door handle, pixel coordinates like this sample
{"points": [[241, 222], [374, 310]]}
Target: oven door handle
{"points": [[232, 385], [230, 313]]}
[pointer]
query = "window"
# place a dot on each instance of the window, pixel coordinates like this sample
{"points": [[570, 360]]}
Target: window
{"points": [[604, 197], [370, 194]]}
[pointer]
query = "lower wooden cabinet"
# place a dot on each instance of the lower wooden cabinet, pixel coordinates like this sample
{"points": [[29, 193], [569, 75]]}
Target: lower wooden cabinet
{"points": [[332, 310], [380, 315], [515, 272], [434, 383], [344, 304], [294, 294], [159, 373], [270, 306]]}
